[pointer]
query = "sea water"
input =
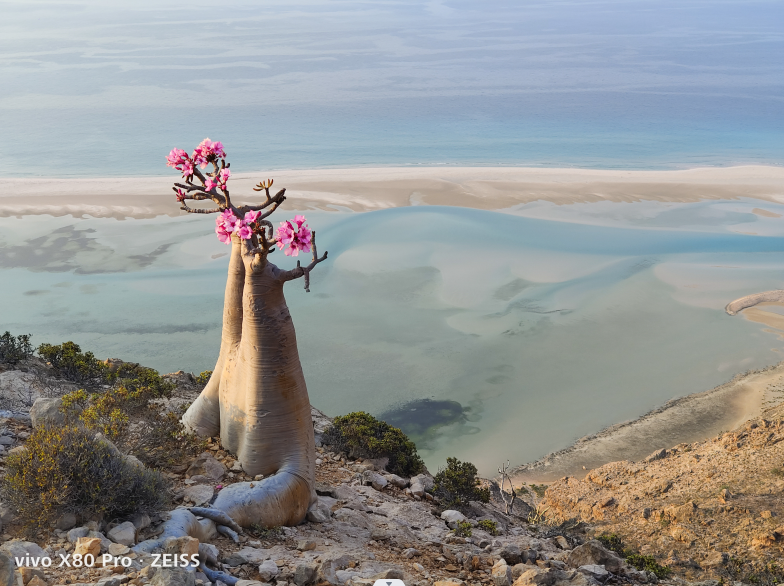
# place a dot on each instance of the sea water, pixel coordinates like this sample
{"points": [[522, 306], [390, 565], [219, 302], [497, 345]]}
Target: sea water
{"points": [[539, 325], [105, 89]]}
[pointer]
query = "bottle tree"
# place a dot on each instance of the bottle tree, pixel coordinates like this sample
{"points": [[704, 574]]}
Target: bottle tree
{"points": [[256, 399]]}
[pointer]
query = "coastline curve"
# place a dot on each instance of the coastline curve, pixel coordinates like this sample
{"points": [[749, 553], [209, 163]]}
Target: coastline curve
{"points": [[776, 296]]}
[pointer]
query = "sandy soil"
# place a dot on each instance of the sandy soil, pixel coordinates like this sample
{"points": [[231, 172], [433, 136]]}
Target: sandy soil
{"points": [[368, 189], [686, 420]]}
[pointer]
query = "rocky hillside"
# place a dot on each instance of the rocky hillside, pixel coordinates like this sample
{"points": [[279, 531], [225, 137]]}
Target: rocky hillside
{"points": [[685, 507], [712, 508]]}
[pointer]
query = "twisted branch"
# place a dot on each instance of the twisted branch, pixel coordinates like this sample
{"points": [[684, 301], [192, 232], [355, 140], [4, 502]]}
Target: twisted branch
{"points": [[300, 271]]}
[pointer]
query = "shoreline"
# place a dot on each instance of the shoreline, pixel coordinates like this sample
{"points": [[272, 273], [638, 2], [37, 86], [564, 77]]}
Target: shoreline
{"points": [[688, 419], [367, 189]]}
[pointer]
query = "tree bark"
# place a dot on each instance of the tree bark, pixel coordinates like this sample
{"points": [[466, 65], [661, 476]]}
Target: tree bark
{"points": [[257, 399]]}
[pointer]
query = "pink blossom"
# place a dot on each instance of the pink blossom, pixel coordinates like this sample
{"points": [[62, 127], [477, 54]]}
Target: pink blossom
{"points": [[296, 240], [223, 235], [181, 194], [245, 231], [208, 151], [252, 216], [209, 184], [175, 157], [180, 160], [223, 176]]}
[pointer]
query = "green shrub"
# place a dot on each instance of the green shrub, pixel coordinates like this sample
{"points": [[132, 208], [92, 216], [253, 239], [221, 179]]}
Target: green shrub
{"points": [[14, 349], [66, 469], [361, 435], [457, 484], [613, 542], [204, 378], [74, 365], [463, 529], [539, 489], [490, 526], [130, 416]]}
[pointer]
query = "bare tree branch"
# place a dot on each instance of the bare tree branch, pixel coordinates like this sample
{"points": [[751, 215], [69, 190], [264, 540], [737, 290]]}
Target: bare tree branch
{"points": [[301, 271], [200, 210]]}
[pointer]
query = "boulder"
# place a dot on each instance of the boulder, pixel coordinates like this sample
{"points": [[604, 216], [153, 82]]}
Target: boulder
{"points": [[389, 574], [330, 565], [268, 570], [198, 494], [27, 574], [593, 553], [6, 571], [452, 517], [77, 532], [511, 554], [536, 577], [421, 484], [117, 549], [254, 555], [173, 577], [396, 480], [45, 412], [206, 465], [19, 548], [319, 511], [88, 545], [374, 479], [140, 521], [124, 533], [594, 571], [501, 574], [105, 543], [305, 574], [37, 581]]}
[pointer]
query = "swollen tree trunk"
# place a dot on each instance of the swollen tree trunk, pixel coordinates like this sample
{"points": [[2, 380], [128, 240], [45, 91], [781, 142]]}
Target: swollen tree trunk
{"points": [[257, 399]]}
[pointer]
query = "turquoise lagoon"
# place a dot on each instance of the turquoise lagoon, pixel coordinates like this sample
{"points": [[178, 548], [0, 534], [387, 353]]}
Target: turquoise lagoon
{"points": [[544, 322]]}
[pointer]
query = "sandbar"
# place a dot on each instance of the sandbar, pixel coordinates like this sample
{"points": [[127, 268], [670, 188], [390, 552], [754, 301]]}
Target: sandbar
{"points": [[366, 189]]}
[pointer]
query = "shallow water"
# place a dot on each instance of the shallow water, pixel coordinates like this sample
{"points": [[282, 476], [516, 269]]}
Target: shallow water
{"points": [[544, 323]]}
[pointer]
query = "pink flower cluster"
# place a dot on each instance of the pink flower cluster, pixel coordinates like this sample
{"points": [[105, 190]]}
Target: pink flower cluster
{"points": [[227, 224], [180, 160], [206, 151], [219, 181], [296, 235]]}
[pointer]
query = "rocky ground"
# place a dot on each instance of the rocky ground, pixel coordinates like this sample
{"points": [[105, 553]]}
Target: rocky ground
{"points": [[682, 505], [700, 508]]}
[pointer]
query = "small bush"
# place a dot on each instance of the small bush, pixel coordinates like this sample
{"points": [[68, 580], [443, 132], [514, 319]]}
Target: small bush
{"points": [[490, 526], [66, 469], [74, 365], [14, 349], [463, 529], [457, 484], [130, 417], [539, 489], [648, 563], [204, 378], [361, 435]]}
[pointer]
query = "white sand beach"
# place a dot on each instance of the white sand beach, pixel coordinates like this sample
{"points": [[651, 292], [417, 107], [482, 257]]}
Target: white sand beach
{"points": [[364, 189]]}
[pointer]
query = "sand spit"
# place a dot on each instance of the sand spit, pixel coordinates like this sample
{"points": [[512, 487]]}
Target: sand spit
{"points": [[685, 420], [366, 189], [773, 297]]}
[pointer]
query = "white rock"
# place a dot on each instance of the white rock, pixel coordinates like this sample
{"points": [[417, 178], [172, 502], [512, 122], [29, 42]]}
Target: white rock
{"points": [[46, 412], [593, 570], [396, 480], [374, 479], [19, 548], [268, 570], [198, 494], [124, 533], [254, 555], [452, 516]]}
